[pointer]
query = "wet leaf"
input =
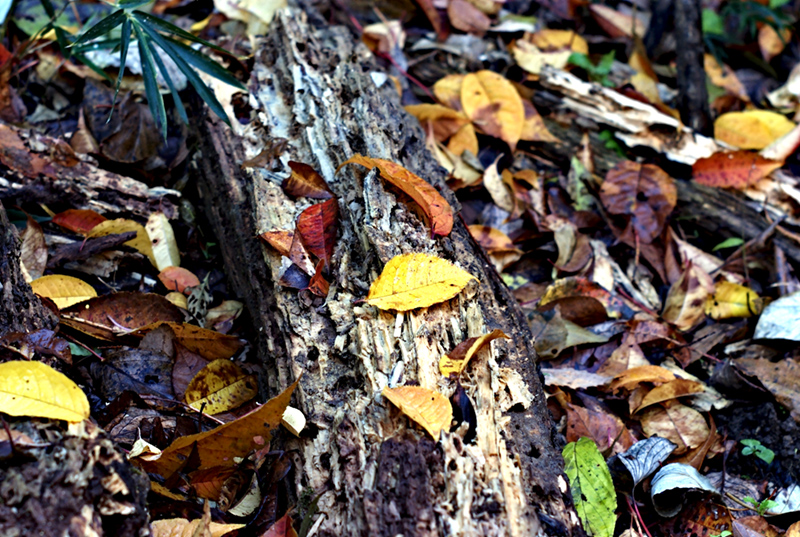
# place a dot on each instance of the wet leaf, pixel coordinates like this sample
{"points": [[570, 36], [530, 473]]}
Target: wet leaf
{"points": [[591, 487], [686, 301], [736, 169], [670, 390], [305, 182], [181, 527], [435, 207], [219, 387], [178, 279], [411, 281], [428, 408], [455, 362], [681, 425], [162, 241], [676, 476], [732, 300], [219, 446], [63, 290], [29, 388], [493, 105], [317, 227], [106, 316], [121, 225], [751, 129], [643, 192], [79, 220]]}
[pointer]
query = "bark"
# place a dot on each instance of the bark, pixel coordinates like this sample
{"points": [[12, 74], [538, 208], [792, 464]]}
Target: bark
{"points": [[692, 92], [380, 473]]}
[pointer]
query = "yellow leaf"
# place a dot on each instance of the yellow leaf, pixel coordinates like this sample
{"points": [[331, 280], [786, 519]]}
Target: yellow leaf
{"points": [[162, 241], [445, 121], [752, 129], [410, 281], [464, 140], [457, 360], [494, 106], [448, 91], [549, 39], [533, 59], [63, 290], [428, 408], [219, 387], [732, 300], [37, 390], [181, 527], [141, 242]]}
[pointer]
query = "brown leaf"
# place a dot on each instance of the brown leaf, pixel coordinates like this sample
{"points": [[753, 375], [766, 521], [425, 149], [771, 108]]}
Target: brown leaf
{"points": [[280, 239], [602, 427], [618, 24], [33, 251], [643, 192], [317, 227], [457, 359], [782, 379], [106, 316], [467, 18], [428, 198], [282, 528], [78, 220], [736, 169], [207, 343], [627, 380], [306, 182], [444, 121], [681, 425], [533, 128], [207, 484], [686, 300], [670, 390], [318, 284]]}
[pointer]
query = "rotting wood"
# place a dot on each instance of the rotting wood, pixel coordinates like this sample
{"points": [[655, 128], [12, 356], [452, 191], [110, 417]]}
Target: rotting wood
{"points": [[382, 476]]}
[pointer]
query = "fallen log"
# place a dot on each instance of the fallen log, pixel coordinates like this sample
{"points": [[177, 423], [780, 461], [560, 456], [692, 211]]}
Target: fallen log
{"points": [[316, 98]]}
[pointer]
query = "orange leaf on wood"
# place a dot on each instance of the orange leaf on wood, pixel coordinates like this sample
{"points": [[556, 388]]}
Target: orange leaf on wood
{"points": [[78, 220], [305, 182], [280, 239], [428, 198], [457, 359], [178, 279], [317, 227], [737, 169], [429, 408]]}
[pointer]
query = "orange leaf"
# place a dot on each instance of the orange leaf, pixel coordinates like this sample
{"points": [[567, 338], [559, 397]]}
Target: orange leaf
{"points": [[78, 220], [317, 227], [455, 362], [207, 343], [445, 121], [306, 182], [671, 390], [633, 377], [208, 483], [428, 408], [178, 279], [428, 198], [494, 105], [533, 128], [448, 91], [737, 169], [280, 239]]}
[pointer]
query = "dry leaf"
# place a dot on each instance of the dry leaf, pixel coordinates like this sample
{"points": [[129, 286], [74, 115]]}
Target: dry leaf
{"points": [[444, 121], [428, 198], [681, 425], [752, 129], [219, 387], [317, 227], [33, 250], [181, 527], [162, 241], [282, 528], [121, 225], [178, 279], [207, 343], [534, 129], [782, 379], [670, 390], [281, 240], [627, 380], [429, 408], [29, 388], [448, 91], [724, 77], [686, 300], [78, 220], [494, 106], [304, 181], [63, 290], [602, 427], [467, 18], [455, 362], [771, 43], [732, 300], [532, 59], [550, 39], [737, 169], [499, 192], [410, 281], [618, 24]]}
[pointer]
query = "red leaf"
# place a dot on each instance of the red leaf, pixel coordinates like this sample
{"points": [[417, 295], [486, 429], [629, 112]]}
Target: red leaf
{"points": [[178, 279], [737, 169], [318, 284], [306, 182], [78, 220], [282, 528], [317, 228]]}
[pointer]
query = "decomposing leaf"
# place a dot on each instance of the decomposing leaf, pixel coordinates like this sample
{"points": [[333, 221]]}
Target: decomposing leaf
{"points": [[604, 428], [493, 105], [455, 362], [751, 129], [584, 302], [499, 192], [410, 281], [219, 446], [643, 192], [670, 390], [141, 371], [282, 528], [444, 121], [429, 408], [781, 378], [63, 290], [162, 241], [533, 59], [178, 279], [573, 378], [207, 343], [686, 300], [627, 380], [317, 227], [681, 425], [208, 483], [732, 300], [219, 387], [591, 486], [33, 250], [467, 18], [646, 456], [497, 244], [29, 388], [676, 476], [428, 198], [560, 334], [181, 527], [121, 225], [106, 316], [735, 169], [306, 182], [79, 220]]}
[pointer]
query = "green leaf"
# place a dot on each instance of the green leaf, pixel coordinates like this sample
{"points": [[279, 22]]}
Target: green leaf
{"points": [[175, 95], [775, 4], [591, 487], [102, 27], [728, 243], [130, 4], [712, 22], [123, 56], [165, 26], [604, 66], [581, 60], [154, 99]]}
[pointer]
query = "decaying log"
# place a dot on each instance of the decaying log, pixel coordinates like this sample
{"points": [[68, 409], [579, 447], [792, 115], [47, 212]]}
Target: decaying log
{"points": [[35, 168], [381, 474]]}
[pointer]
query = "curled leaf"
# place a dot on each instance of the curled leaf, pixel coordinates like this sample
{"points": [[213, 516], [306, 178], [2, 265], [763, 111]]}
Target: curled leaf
{"points": [[455, 362], [306, 182], [317, 227]]}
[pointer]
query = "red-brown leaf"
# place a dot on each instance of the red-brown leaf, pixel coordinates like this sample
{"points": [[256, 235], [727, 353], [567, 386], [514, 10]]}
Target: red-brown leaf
{"points": [[317, 228], [737, 169], [78, 220], [306, 182]]}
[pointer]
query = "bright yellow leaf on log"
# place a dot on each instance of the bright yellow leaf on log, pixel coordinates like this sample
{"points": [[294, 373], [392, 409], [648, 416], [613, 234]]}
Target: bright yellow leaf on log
{"points": [[428, 408], [219, 387], [63, 290], [37, 390], [732, 300], [121, 225], [457, 360], [410, 281], [493, 105], [752, 129]]}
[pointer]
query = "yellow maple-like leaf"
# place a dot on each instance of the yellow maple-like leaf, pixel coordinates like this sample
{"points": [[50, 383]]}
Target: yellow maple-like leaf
{"points": [[429, 408], [732, 300], [37, 390], [752, 129], [220, 386], [181, 527], [121, 225], [457, 360], [63, 290], [410, 281], [493, 105]]}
